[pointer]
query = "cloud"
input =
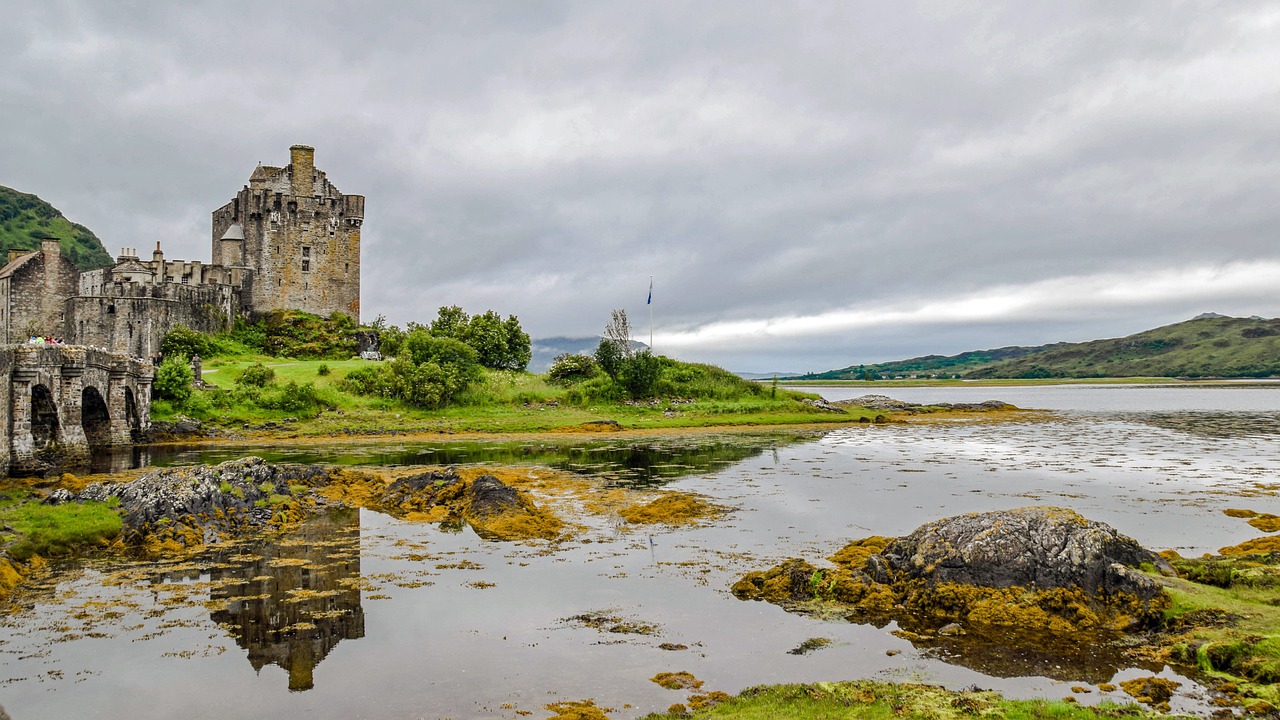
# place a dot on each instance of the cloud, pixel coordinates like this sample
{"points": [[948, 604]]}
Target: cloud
{"points": [[910, 177]]}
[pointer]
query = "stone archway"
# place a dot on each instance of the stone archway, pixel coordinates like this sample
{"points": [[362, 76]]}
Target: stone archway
{"points": [[44, 418], [95, 418], [131, 415]]}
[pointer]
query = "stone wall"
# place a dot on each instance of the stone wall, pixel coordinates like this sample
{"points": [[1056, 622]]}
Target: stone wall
{"points": [[301, 239], [133, 319]]}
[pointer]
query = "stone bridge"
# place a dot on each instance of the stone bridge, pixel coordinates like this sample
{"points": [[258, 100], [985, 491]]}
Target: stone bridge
{"points": [[61, 401]]}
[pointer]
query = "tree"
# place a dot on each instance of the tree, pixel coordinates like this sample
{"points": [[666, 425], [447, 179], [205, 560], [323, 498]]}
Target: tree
{"points": [[609, 359], [639, 374], [519, 347], [184, 341], [618, 332], [450, 321], [174, 378]]}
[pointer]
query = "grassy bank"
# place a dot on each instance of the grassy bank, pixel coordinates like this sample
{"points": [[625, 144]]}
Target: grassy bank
{"points": [[868, 699], [501, 401]]}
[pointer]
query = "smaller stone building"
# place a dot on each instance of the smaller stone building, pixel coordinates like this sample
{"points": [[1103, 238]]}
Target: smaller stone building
{"points": [[130, 306], [34, 287]]}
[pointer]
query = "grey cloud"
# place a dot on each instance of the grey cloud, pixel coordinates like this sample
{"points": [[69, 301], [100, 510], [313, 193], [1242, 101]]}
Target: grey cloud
{"points": [[761, 160]]}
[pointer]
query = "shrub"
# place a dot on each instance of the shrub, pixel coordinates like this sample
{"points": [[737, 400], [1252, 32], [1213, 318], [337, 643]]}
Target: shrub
{"points": [[323, 369], [569, 368], [639, 373], [256, 375], [173, 379], [187, 343]]}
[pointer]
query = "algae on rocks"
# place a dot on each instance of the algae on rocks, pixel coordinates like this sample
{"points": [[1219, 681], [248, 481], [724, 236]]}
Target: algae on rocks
{"points": [[1038, 569]]}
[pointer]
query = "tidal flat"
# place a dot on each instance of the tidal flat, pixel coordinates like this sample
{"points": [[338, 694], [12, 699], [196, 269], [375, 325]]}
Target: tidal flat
{"points": [[359, 614]]}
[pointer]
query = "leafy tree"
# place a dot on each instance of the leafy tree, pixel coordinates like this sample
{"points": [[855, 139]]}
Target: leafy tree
{"points": [[188, 343], [639, 374], [609, 358], [174, 378], [451, 322], [519, 346]]}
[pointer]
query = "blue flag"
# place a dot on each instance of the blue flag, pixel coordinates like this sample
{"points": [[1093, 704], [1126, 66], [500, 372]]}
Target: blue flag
{"points": [[650, 300]]}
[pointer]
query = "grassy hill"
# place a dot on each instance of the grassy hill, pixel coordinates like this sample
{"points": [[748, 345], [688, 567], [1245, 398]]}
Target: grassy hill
{"points": [[1203, 347], [25, 219], [926, 365]]}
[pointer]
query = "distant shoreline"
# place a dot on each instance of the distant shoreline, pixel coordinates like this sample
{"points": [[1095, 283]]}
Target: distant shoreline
{"points": [[1031, 382]]}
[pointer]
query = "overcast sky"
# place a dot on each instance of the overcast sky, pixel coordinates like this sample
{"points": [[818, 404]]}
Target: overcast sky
{"points": [[811, 184]]}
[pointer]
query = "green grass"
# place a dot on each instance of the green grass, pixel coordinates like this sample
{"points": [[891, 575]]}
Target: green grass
{"points": [[55, 530], [25, 218], [1242, 645], [888, 701], [502, 402]]}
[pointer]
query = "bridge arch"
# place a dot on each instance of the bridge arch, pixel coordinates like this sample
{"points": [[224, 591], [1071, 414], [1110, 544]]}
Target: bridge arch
{"points": [[95, 417], [56, 402]]}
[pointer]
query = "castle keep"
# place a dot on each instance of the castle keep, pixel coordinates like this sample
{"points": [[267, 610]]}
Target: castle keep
{"points": [[298, 237], [289, 240]]}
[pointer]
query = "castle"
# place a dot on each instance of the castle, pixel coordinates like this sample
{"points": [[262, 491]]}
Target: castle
{"points": [[288, 240]]}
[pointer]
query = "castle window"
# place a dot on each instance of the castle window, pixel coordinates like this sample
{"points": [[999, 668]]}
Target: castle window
{"points": [[306, 251], [306, 265]]}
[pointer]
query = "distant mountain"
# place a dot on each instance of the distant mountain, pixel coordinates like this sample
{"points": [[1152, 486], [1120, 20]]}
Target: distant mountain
{"points": [[546, 349], [1208, 346], [927, 365], [25, 219], [765, 376]]}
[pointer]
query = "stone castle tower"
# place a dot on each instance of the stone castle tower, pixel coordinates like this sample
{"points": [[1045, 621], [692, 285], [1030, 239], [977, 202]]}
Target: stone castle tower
{"points": [[298, 235]]}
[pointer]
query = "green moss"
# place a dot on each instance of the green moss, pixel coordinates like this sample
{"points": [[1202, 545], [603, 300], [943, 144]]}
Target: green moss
{"points": [[55, 530], [869, 699]]}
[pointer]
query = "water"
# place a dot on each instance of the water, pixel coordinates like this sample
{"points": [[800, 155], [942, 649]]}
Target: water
{"points": [[361, 615]]}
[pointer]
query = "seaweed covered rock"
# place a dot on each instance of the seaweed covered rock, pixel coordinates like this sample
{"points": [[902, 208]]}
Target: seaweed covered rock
{"points": [[498, 511], [1037, 547], [420, 493], [187, 506], [1039, 570], [490, 497]]}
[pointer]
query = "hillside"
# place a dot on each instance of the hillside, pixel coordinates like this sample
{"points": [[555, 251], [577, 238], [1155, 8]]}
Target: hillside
{"points": [[25, 219], [1207, 346], [926, 365]]}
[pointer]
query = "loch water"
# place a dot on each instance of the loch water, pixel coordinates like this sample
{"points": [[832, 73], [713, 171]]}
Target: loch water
{"points": [[359, 615]]}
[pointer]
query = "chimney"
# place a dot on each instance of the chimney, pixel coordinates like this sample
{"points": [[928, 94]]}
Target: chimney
{"points": [[157, 257], [303, 159], [15, 253], [51, 247]]}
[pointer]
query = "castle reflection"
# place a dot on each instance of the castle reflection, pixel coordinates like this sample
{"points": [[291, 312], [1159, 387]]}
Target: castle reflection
{"points": [[296, 598]]}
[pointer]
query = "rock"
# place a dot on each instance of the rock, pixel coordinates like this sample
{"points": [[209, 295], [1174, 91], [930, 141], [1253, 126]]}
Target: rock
{"points": [[490, 496], [1038, 547], [203, 496], [59, 496], [951, 629], [414, 487], [823, 405]]}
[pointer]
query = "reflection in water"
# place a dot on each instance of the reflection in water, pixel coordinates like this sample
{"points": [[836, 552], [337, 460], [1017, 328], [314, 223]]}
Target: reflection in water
{"points": [[296, 598], [1009, 653], [646, 463], [1213, 424]]}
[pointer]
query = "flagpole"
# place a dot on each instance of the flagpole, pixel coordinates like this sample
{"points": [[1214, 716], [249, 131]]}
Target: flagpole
{"points": [[650, 304]]}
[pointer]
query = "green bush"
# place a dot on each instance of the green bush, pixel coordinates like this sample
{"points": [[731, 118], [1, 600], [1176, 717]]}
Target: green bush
{"points": [[174, 378], [571, 368], [323, 369], [256, 375], [639, 374], [188, 343]]}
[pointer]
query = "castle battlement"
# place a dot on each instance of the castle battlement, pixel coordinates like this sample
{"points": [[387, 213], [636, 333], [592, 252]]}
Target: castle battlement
{"points": [[289, 240]]}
